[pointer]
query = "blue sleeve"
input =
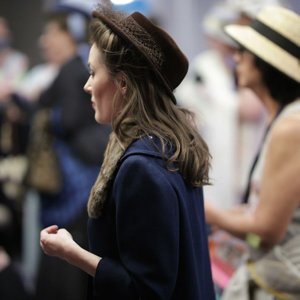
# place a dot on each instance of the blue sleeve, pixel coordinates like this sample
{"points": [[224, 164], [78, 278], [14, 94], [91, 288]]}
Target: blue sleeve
{"points": [[147, 222]]}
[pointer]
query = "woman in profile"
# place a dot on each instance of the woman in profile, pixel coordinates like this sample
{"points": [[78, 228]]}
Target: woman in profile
{"points": [[147, 231]]}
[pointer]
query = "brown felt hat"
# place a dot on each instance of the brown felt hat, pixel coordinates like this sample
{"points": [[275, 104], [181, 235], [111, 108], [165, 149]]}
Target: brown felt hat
{"points": [[158, 48]]}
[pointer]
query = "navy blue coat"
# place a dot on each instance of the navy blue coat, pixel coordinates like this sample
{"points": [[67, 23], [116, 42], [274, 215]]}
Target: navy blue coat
{"points": [[152, 237]]}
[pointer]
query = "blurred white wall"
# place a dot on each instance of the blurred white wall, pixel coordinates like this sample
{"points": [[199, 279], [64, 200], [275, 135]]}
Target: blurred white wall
{"points": [[182, 19]]}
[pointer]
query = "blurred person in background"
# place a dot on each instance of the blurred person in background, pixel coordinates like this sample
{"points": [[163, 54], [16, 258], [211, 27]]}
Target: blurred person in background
{"points": [[39, 77], [232, 121], [252, 118], [79, 143], [211, 92], [13, 63], [12, 285], [267, 62], [14, 127], [13, 119]]}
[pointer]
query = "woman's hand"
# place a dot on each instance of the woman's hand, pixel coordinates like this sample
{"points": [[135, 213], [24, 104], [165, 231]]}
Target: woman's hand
{"points": [[236, 220], [56, 242], [60, 243], [210, 212]]}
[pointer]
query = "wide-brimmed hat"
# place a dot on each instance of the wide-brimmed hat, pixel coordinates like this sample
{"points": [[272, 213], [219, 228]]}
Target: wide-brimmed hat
{"points": [[274, 36], [252, 7], [157, 47]]}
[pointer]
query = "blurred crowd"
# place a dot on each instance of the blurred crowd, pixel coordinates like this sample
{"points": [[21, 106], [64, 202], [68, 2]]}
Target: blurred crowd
{"points": [[51, 95], [235, 121], [51, 149], [232, 120]]}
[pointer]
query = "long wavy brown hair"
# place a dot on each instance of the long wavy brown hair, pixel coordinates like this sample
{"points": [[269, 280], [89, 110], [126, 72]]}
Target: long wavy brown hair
{"points": [[148, 110]]}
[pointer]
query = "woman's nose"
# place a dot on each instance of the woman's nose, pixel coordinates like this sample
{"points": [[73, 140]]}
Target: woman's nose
{"points": [[86, 87], [237, 56]]}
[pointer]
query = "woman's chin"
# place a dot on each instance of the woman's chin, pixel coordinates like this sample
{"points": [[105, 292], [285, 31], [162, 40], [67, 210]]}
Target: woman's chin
{"points": [[100, 120]]}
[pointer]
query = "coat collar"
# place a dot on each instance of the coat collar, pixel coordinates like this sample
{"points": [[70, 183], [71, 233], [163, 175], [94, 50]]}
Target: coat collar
{"points": [[148, 145]]}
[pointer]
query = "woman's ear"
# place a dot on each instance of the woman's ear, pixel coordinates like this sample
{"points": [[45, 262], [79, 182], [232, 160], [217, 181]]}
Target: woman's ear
{"points": [[123, 90], [122, 83]]}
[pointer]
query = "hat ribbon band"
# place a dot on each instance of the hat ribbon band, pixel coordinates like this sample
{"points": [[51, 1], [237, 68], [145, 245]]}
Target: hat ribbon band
{"points": [[276, 38]]}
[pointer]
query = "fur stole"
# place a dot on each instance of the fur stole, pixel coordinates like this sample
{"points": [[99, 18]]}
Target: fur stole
{"points": [[98, 195]]}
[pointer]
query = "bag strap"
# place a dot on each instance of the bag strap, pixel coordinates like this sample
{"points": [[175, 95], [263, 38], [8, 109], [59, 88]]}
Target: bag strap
{"points": [[262, 284], [245, 197]]}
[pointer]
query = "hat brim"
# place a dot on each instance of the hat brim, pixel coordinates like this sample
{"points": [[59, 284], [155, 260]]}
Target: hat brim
{"points": [[265, 49]]}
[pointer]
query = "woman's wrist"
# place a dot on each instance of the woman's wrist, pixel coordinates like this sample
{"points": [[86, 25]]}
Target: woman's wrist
{"points": [[71, 252], [81, 258], [211, 213]]}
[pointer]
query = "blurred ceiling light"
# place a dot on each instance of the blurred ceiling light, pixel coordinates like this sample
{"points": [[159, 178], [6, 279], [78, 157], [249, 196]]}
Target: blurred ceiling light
{"points": [[121, 2]]}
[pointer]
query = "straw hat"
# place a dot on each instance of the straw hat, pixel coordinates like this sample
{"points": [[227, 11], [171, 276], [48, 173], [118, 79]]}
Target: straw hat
{"points": [[274, 36], [157, 47], [252, 7]]}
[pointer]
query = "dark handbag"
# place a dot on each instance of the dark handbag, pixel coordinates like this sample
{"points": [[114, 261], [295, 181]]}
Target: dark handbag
{"points": [[43, 172]]}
